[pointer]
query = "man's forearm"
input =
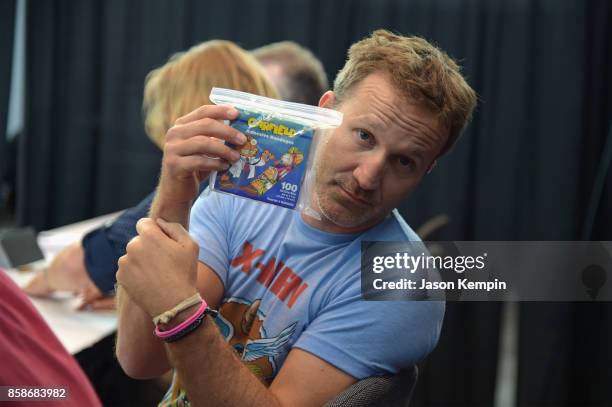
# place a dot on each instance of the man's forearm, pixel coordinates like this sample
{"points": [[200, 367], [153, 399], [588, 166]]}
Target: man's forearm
{"points": [[165, 206], [169, 211], [140, 353], [138, 349], [212, 374]]}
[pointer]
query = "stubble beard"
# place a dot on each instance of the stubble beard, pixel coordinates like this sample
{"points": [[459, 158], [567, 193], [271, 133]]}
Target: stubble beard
{"points": [[345, 219], [326, 203]]}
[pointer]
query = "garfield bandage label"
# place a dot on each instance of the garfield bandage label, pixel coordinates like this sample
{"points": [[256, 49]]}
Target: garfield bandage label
{"points": [[272, 161]]}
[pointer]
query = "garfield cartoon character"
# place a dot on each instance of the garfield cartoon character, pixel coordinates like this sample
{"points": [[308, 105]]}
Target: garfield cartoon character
{"points": [[247, 163], [241, 323]]}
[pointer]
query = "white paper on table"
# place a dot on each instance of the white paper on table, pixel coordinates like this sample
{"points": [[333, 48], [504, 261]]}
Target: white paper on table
{"points": [[76, 330]]}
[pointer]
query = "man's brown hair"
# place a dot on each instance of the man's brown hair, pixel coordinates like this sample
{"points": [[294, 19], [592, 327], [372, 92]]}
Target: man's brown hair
{"points": [[420, 71]]}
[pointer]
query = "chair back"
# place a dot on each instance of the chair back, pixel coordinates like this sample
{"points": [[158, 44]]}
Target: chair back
{"points": [[379, 391]]}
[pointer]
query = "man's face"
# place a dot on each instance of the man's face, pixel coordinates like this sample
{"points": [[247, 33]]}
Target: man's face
{"points": [[376, 157]]}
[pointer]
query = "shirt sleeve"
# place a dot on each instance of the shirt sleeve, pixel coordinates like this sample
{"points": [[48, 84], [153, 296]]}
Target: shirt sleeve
{"points": [[370, 338], [209, 226], [104, 246]]}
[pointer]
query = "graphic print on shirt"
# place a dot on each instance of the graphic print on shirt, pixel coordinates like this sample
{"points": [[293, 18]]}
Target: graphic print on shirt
{"points": [[241, 324]]}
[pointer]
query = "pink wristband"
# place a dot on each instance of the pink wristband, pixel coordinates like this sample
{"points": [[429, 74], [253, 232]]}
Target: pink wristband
{"points": [[182, 325]]}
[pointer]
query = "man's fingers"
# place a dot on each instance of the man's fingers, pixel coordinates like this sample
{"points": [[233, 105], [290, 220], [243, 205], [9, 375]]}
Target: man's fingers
{"points": [[174, 230], [91, 292], [142, 224], [207, 127], [149, 230], [200, 163], [106, 303], [217, 112], [201, 145]]}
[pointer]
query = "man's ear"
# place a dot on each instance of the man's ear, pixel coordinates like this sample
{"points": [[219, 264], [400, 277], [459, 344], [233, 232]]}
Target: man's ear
{"points": [[432, 166], [328, 100]]}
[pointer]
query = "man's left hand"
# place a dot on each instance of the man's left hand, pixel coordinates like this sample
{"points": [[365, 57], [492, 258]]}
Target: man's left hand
{"points": [[159, 269]]}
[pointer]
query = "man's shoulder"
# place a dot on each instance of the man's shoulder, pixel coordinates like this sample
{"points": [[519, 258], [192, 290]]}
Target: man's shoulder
{"points": [[233, 204], [237, 213]]}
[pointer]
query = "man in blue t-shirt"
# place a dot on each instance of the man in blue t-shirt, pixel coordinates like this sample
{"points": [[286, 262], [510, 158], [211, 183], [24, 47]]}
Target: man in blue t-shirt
{"points": [[292, 328], [89, 266]]}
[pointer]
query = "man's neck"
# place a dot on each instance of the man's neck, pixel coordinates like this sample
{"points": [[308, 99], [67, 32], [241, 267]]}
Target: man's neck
{"points": [[319, 221]]}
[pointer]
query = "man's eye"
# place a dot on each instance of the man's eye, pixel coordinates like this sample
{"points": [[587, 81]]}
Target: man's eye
{"points": [[405, 161], [363, 135]]}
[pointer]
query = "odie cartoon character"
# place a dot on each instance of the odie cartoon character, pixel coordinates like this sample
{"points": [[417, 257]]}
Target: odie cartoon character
{"points": [[277, 171], [241, 323]]}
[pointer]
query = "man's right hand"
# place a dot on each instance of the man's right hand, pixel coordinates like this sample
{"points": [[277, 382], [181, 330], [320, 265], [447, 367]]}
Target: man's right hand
{"points": [[193, 148]]}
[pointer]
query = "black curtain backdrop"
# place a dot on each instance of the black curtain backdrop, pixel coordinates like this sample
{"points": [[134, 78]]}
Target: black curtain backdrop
{"points": [[524, 170], [7, 28]]}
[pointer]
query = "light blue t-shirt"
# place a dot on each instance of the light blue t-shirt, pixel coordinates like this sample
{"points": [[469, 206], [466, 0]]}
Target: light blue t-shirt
{"points": [[289, 285]]}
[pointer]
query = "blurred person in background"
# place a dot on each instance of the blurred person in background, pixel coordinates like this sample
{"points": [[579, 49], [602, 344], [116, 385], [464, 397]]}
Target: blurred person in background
{"points": [[88, 267], [297, 74]]}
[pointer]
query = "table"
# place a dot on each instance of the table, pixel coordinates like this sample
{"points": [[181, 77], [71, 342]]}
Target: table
{"points": [[75, 329]]}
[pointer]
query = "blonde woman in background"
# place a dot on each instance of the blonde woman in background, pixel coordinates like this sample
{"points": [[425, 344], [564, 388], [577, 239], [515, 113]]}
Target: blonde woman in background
{"points": [[88, 267]]}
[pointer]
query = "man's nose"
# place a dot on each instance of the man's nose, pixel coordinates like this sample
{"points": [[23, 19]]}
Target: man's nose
{"points": [[370, 170]]}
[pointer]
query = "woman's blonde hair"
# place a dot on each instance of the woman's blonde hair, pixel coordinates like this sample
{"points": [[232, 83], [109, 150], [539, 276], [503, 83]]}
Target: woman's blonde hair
{"points": [[185, 81]]}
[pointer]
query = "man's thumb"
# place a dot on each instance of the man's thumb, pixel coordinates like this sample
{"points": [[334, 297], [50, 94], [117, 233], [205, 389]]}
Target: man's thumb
{"points": [[175, 231]]}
